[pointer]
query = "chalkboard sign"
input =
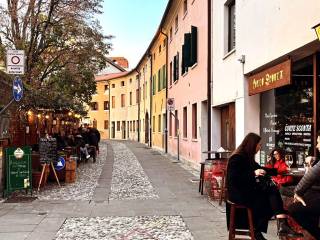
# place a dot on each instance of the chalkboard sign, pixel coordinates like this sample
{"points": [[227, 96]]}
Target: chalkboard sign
{"points": [[48, 150], [18, 169]]}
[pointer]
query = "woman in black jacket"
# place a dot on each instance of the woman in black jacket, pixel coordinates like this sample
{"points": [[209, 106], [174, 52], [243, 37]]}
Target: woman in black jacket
{"points": [[243, 189]]}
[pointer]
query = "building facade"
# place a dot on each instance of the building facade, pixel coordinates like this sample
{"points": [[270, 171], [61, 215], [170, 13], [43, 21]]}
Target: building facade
{"points": [[271, 68]]}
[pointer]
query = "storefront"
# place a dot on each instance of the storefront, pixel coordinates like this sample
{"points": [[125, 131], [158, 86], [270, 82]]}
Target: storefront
{"points": [[289, 110]]}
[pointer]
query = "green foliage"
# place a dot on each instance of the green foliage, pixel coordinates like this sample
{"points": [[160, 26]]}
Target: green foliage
{"points": [[64, 47]]}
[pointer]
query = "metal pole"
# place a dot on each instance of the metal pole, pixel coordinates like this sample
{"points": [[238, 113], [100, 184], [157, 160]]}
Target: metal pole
{"points": [[5, 107]]}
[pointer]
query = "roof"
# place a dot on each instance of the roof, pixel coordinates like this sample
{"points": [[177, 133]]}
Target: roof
{"points": [[109, 60], [110, 76]]}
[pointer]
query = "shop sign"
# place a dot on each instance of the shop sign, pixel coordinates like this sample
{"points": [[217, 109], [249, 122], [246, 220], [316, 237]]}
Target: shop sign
{"points": [[18, 169], [274, 77], [317, 29]]}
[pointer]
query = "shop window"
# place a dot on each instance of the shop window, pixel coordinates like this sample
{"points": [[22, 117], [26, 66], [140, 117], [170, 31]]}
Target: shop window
{"points": [[286, 115]]}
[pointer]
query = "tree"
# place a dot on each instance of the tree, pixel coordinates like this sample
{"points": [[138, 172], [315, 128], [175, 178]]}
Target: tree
{"points": [[64, 47]]}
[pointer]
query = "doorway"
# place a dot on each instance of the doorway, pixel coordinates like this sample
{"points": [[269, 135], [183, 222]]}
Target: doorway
{"points": [[228, 121], [146, 128]]}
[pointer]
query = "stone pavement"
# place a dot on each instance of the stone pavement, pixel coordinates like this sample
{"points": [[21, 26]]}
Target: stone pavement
{"points": [[140, 194]]}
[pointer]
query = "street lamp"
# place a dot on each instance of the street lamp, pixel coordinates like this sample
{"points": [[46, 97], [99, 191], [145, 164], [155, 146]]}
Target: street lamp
{"points": [[317, 29]]}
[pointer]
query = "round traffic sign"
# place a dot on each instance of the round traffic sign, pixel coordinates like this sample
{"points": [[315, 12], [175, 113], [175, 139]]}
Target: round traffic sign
{"points": [[60, 164]]}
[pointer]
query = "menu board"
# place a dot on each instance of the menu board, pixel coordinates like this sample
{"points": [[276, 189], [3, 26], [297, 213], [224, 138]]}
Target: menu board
{"points": [[18, 169], [48, 150]]}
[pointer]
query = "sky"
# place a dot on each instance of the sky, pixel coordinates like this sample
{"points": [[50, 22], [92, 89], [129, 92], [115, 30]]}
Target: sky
{"points": [[133, 24]]}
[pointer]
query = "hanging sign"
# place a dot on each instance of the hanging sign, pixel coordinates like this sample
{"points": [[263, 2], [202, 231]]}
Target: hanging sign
{"points": [[274, 77], [15, 62]]}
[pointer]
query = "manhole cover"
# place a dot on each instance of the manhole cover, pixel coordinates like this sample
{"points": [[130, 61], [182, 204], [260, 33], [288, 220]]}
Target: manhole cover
{"points": [[20, 199]]}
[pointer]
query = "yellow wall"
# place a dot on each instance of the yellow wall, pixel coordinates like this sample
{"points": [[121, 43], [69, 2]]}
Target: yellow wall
{"points": [[100, 115], [159, 98]]}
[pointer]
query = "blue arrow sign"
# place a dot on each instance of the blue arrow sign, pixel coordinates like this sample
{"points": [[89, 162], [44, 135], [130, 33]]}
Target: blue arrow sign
{"points": [[60, 164], [17, 89]]}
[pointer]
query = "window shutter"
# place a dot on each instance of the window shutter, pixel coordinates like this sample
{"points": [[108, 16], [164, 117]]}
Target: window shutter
{"points": [[177, 74], [164, 76], [183, 63], [159, 80], [194, 45], [174, 68]]}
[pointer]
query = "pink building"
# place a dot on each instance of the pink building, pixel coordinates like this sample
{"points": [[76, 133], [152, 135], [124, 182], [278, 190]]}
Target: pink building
{"points": [[186, 24]]}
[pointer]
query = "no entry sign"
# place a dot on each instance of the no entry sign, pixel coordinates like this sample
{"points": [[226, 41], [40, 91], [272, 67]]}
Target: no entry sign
{"points": [[15, 62]]}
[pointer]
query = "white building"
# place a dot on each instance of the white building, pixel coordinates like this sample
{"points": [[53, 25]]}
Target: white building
{"points": [[249, 40]]}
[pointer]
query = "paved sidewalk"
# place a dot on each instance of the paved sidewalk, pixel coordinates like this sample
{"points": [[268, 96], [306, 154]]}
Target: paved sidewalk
{"points": [[172, 208]]}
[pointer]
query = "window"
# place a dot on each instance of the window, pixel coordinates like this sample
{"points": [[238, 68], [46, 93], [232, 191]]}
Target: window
{"points": [[231, 26], [130, 126], [176, 67], [194, 121], [106, 87], [154, 56], [113, 85], [94, 106], [106, 124], [122, 83], [113, 101], [130, 98], [176, 123], [130, 80], [185, 7], [164, 77], [154, 79], [144, 92], [106, 105], [159, 80], [153, 123], [185, 122], [134, 126], [137, 96], [170, 34], [164, 43], [118, 125], [159, 123], [123, 100], [137, 125], [170, 124], [170, 72], [176, 23], [160, 48]]}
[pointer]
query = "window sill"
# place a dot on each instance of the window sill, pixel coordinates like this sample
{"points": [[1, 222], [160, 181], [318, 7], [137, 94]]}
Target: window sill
{"points": [[185, 74], [229, 53], [175, 82], [194, 140], [185, 139], [194, 65]]}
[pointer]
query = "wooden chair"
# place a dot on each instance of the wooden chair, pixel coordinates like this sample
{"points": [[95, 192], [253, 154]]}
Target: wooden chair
{"points": [[233, 232]]}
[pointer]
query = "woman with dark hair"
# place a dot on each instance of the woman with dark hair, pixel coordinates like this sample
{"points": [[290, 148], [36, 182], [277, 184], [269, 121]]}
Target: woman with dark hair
{"points": [[243, 189], [277, 162]]}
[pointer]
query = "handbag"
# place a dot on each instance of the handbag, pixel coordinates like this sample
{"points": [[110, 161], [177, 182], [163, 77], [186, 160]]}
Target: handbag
{"points": [[265, 184]]}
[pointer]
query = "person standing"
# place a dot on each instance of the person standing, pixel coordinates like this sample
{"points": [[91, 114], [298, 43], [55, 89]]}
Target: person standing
{"points": [[243, 189], [306, 208]]}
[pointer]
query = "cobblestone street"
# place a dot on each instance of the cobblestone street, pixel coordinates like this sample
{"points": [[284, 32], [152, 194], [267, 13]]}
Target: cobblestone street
{"points": [[131, 192]]}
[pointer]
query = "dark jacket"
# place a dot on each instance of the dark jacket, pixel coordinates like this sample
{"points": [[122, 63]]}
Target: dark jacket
{"points": [[310, 181], [242, 189]]}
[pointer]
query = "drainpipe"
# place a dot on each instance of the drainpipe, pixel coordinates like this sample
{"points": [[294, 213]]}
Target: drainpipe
{"points": [[139, 99], [150, 125], [166, 122], [209, 85], [109, 109]]}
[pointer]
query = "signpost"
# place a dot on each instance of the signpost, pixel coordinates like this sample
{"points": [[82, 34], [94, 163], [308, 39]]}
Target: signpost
{"points": [[170, 104], [15, 62], [18, 169]]}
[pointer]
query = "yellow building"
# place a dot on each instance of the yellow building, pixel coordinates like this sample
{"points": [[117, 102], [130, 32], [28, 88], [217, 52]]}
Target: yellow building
{"points": [[159, 79]]}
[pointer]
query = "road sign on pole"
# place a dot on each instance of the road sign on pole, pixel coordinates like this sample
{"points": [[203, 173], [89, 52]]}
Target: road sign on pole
{"points": [[170, 104], [17, 89], [15, 62]]}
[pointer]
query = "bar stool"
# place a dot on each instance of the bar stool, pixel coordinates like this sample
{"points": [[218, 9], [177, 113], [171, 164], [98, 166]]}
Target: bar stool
{"points": [[232, 228]]}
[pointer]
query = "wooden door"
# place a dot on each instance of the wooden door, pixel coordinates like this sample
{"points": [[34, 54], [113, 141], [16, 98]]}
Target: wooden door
{"points": [[228, 126]]}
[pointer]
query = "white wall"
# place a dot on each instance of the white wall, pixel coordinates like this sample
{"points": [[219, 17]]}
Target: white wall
{"points": [[273, 28]]}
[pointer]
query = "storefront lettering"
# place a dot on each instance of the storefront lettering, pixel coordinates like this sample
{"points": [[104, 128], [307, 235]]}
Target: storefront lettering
{"points": [[267, 79], [298, 128]]}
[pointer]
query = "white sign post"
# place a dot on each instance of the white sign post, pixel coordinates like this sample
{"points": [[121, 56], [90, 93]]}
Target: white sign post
{"points": [[15, 62], [170, 104]]}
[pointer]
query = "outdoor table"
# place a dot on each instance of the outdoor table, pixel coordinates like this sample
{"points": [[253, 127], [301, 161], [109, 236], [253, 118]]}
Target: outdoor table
{"points": [[296, 173]]}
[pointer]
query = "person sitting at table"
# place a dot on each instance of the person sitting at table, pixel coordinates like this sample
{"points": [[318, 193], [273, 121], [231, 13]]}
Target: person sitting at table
{"points": [[242, 172], [277, 162], [305, 209]]}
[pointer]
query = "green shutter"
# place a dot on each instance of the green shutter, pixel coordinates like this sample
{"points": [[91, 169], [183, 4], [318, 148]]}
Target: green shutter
{"points": [[159, 81], [194, 45], [164, 76]]}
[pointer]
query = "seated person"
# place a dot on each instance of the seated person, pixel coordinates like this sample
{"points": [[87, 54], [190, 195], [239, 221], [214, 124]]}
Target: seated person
{"points": [[277, 162], [306, 208], [79, 142]]}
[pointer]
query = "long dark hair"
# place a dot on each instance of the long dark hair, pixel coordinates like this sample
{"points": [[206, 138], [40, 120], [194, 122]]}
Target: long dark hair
{"points": [[273, 159], [248, 146]]}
